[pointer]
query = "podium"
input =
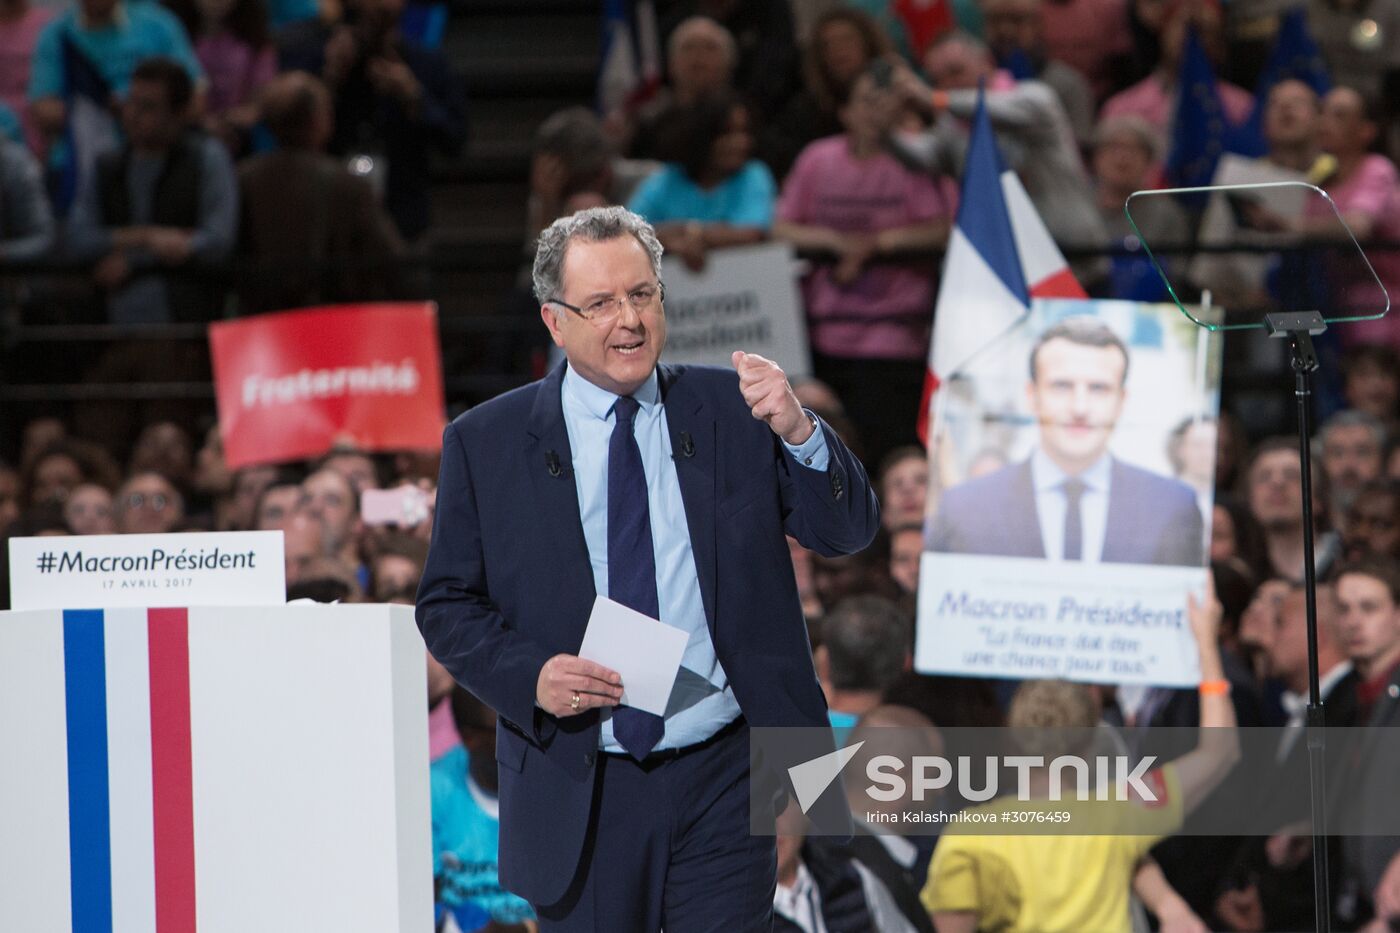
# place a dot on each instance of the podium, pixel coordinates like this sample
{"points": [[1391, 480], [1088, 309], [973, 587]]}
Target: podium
{"points": [[214, 769]]}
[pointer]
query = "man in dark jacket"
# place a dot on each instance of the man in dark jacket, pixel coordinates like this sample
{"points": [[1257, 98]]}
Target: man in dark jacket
{"points": [[166, 202], [315, 230], [396, 102]]}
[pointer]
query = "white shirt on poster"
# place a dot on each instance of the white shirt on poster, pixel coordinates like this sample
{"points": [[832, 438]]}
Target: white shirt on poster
{"points": [[1051, 506]]}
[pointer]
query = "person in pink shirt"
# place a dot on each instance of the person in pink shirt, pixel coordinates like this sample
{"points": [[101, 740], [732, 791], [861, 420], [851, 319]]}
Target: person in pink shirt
{"points": [[233, 45], [1088, 35], [870, 314], [1154, 97], [1366, 189], [20, 25]]}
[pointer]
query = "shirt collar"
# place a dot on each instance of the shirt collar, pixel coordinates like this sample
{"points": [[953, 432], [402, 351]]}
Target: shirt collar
{"points": [[598, 402], [1290, 700], [801, 885], [1047, 475]]}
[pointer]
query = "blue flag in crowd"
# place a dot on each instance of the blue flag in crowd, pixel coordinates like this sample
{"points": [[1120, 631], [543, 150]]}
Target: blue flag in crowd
{"points": [[1019, 65], [1295, 56], [1200, 130], [89, 127]]}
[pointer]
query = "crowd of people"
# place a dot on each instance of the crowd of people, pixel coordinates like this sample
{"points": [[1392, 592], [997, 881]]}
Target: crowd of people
{"points": [[300, 138], [854, 157], [154, 143], [861, 612]]}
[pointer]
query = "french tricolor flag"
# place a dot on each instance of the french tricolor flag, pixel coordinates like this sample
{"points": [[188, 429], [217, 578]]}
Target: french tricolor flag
{"points": [[999, 257], [128, 775]]}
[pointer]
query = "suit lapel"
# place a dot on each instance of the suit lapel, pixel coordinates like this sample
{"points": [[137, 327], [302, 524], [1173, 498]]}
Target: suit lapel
{"points": [[686, 414], [556, 496], [1117, 540], [1023, 503]]}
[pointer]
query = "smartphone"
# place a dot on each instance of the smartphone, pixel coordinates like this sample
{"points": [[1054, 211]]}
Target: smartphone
{"points": [[882, 73], [406, 506]]}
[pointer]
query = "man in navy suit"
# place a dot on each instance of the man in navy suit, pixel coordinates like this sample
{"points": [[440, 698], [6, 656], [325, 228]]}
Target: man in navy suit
{"points": [[1072, 500], [669, 489]]}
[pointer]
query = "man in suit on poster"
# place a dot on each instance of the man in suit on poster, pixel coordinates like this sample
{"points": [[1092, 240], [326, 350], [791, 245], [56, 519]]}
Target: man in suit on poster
{"points": [[669, 489], [1072, 499]]}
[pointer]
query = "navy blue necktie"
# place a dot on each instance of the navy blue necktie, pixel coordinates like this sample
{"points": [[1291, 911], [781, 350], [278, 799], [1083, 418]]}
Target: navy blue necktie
{"points": [[631, 561], [1074, 520]]}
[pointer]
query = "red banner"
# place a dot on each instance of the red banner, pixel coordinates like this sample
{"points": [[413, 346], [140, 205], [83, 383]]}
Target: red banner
{"points": [[292, 385], [924, 20]]}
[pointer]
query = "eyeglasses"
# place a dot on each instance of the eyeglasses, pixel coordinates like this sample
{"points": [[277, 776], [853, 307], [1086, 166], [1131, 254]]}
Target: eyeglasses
{"points": [[156, 501], [605, 309]]}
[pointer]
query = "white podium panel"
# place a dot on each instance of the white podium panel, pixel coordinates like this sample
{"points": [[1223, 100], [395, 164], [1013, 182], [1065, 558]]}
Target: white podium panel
{"points": [[214, 769]]}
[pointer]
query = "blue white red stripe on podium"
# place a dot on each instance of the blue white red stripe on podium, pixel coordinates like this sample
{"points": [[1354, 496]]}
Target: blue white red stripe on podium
{"points": [[129, 770]]}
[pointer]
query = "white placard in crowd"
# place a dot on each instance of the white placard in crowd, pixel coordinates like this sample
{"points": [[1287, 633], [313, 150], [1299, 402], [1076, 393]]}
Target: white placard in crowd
{"points": [[226, 568], [746, 299], [1016, 618], [1071, 472], [1237, 278]]}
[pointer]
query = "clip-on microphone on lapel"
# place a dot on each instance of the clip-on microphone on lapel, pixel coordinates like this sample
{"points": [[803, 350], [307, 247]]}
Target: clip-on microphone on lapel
{"points": [[687, 446], [551, 460]]}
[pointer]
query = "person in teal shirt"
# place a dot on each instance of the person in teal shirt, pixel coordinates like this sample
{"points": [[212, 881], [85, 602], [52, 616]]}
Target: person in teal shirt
{"points": [[114, 36], [710, 193], [466, 826]]}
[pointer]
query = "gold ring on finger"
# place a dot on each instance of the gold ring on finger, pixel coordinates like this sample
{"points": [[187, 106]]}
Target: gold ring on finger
{"points": [[573, 703]]}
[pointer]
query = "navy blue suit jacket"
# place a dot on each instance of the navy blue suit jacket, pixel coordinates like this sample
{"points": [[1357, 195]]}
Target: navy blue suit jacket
{"points": [[1152, 519], [508, 584]]}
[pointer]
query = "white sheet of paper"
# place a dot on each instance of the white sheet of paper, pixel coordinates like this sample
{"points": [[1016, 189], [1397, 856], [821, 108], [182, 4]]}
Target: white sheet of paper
{"points": [[645, 651]]}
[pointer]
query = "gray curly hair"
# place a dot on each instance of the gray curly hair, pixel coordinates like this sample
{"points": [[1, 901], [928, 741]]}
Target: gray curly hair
{"points": [[593, 225]]}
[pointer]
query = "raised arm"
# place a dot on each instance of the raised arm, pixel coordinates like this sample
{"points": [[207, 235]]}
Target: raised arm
{"points": [[1217, 748], [828, 501]]}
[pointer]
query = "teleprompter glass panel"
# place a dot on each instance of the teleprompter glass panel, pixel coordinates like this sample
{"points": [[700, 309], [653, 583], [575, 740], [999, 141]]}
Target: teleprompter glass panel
{"points": [[1230, 254]]}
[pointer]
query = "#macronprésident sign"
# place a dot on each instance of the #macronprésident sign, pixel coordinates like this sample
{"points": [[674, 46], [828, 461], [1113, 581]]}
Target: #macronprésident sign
{"points": [[227, 568], [744, 299]]}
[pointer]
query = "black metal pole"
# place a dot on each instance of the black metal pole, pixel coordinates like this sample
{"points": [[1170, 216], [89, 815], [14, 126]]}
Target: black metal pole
{"points": [[1303, 358], [1304, 362]]}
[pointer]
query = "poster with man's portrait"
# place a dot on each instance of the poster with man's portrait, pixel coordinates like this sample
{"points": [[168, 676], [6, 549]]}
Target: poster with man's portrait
{"points": [[1071, 473]]}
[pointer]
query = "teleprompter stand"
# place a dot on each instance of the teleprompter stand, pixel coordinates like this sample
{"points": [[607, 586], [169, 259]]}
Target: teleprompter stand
{"points": [[1325, 266], [1298, 328]]}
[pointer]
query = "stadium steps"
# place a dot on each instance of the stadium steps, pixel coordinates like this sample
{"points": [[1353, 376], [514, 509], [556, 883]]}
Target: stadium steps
{"points": [[519, 62]]}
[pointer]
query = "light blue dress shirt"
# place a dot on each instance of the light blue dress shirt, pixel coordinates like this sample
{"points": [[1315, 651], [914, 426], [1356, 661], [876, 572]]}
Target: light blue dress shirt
{"points": [[702, 701]]}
